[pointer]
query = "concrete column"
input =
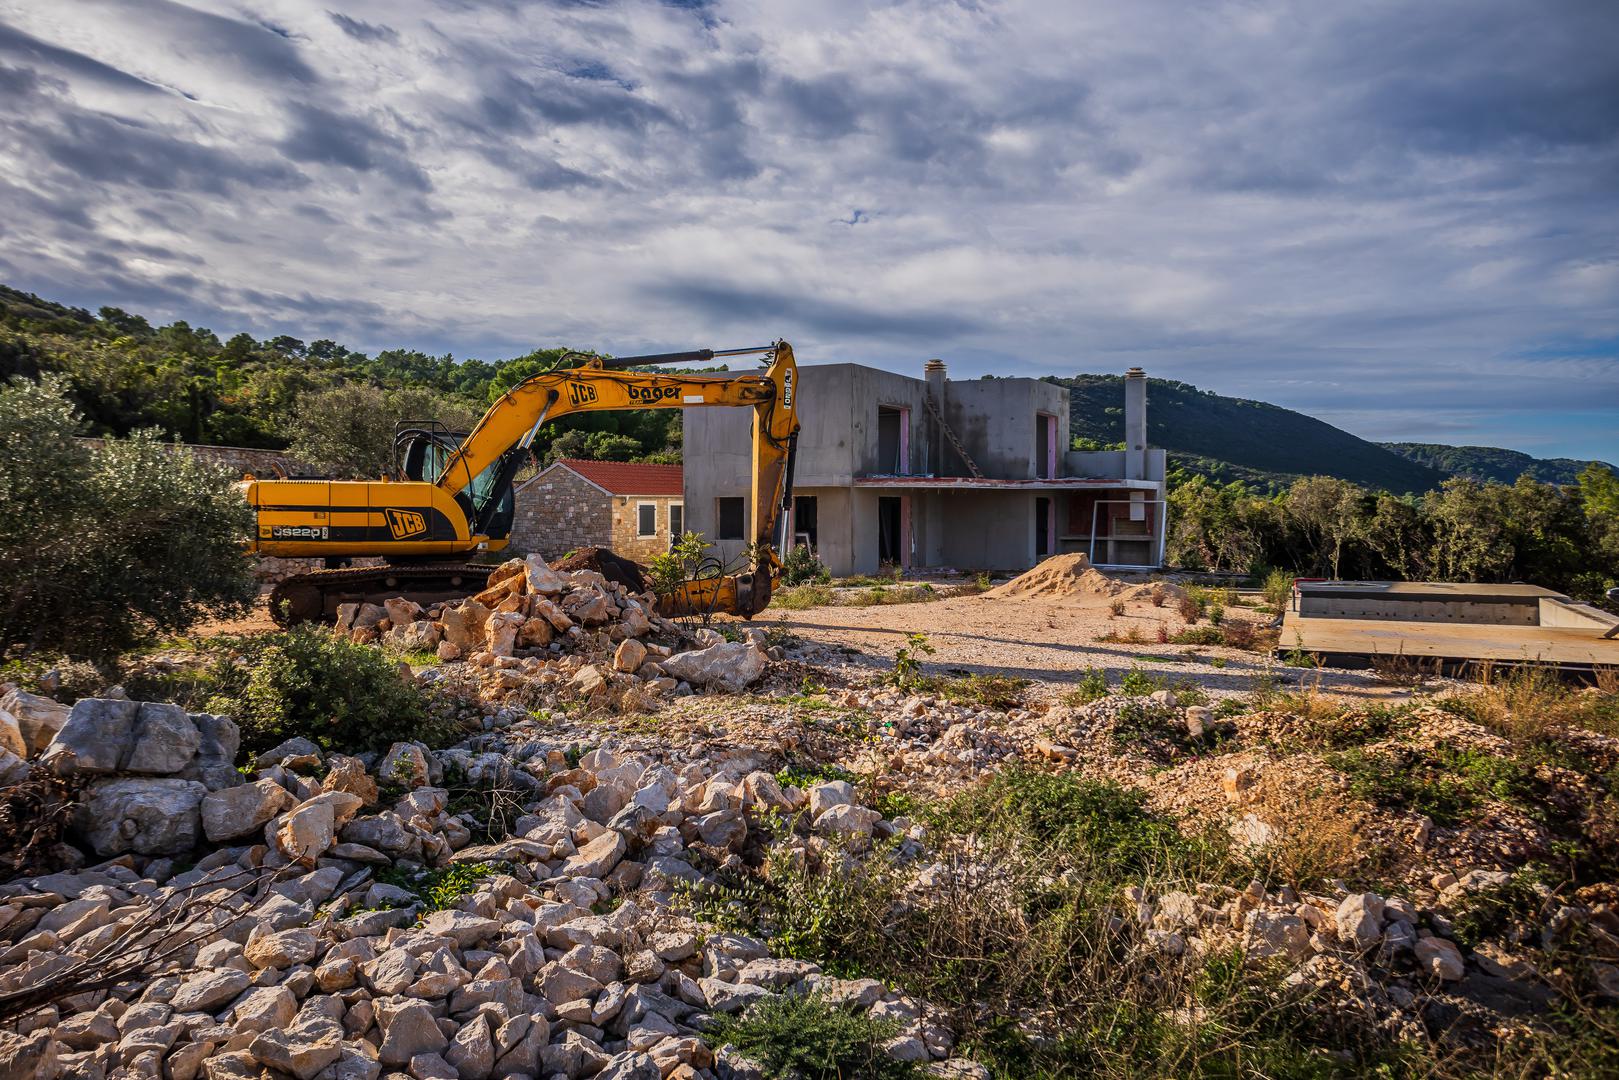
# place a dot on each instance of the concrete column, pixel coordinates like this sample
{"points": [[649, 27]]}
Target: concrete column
{"points": [[1135, 424], [934, 373]]}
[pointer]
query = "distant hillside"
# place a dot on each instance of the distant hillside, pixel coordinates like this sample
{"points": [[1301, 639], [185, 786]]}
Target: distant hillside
{"points": [[1485, 463], [1236, 439]]}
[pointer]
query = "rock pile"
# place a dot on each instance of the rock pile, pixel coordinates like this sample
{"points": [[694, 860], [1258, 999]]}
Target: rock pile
{"points": [[318, 950], [573, 629]]}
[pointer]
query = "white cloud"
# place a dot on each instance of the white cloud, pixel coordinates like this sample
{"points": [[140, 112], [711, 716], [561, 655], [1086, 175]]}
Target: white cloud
{"points": [[1249, 195]]}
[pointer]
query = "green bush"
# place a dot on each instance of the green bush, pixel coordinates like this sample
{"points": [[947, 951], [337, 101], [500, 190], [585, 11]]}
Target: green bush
{"points": [[310, 682], [101, 547], [1105, 821], [1093, 687], [801, 567], [807, 1036]]}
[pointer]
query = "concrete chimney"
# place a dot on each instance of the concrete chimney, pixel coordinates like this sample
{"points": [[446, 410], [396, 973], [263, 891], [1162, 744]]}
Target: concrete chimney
{"points": [[1135, 424], [933, 371]]}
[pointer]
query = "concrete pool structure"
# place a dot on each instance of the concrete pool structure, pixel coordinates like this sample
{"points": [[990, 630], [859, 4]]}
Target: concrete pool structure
{"points": [[1447, 624]]}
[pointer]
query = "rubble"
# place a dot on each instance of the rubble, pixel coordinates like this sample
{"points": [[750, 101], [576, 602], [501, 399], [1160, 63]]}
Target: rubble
{"points": [[520, 904]]}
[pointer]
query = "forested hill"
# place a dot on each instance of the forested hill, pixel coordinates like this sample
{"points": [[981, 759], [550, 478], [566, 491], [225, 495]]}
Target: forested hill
{"points": [[1491, 463], [332, 406], [1236, 439]]}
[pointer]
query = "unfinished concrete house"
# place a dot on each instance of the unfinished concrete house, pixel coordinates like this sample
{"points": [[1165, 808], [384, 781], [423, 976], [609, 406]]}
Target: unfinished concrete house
{"points": [[937, 473]]}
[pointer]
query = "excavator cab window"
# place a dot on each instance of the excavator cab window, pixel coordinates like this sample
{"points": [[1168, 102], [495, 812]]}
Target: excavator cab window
{"points": [[424, 446]]}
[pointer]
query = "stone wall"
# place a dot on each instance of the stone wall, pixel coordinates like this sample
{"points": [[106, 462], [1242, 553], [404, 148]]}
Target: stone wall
{"points": [[626, 526], [561, 512]]}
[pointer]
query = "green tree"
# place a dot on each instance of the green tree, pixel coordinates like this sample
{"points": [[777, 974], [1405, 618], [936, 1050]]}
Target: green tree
{"points": [[348, 431], [102, 546]]}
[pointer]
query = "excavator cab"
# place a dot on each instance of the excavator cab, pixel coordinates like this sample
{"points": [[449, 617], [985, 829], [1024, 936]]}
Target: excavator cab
{"points": [[422, 447]]}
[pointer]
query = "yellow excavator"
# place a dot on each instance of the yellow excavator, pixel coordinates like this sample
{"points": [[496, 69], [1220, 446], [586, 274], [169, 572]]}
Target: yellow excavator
{"points": [[453, 499]]}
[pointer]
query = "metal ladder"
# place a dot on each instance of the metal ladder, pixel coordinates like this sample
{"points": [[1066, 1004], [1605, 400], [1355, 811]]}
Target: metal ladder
{"points": [[950, 437]]}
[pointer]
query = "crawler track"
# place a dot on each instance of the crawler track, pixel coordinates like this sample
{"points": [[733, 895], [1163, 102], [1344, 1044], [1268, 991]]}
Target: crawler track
{"points": [[315, 596]]}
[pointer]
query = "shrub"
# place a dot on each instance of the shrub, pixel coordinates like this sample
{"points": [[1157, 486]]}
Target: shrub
{"points": [[1001, 692], [1092, 687], [1239, 635], [1200, 635], [310, 682], [1137, 683], [439, 889], [1216, 614], [1277, 588], [100, 547], [907, 663], [801, 597], [1190, 608], [1107, 822], [807, 1036], [1116, 607], [801, 567]]}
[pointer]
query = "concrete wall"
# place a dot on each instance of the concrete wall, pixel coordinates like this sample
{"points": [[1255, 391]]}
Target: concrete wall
{"points": [[1525, 613], [1110, 464], [1577, 615], [995, 420]]}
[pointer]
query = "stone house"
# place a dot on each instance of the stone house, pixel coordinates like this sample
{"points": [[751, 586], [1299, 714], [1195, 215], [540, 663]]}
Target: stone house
{"points": [[629, 507]]}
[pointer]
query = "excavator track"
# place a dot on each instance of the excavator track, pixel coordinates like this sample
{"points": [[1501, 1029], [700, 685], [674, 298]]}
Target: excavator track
{"points": [[315, 596]]}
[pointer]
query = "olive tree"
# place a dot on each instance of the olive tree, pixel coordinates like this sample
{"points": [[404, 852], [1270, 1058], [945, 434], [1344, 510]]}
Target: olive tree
{"points": [[103, 545], [348, 431]]}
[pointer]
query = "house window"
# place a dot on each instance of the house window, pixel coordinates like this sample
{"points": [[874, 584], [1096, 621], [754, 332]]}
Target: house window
{"points": [[728, 514], [677, 521], [646, 519]]}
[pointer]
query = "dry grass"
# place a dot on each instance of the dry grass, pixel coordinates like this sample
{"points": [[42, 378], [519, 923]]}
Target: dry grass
{"points": [[1320, 832], [1528, 704]]}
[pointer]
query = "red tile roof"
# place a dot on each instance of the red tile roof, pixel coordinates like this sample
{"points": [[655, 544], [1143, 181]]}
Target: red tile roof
{"points": [[628, 477]]}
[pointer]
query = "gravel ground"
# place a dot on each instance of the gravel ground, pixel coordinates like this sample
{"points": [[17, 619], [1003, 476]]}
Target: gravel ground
{"points": [[1050, 641]]}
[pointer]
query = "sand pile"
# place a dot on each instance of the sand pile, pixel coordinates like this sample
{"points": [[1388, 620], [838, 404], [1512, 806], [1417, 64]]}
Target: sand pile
{"points": [[1073, 576]]}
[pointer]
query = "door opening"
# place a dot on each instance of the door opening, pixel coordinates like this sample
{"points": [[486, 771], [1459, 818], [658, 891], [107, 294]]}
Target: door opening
{"points": [[889, 533], [1042, 529], [806, 527]]}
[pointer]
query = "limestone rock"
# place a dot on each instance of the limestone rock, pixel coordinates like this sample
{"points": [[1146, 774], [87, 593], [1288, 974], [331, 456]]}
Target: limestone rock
{"points": [[730, 665], [597, 858], [631, 654], [95, 738], [38, 719], [1360, 920], [304, 1049], [206, 991], [163, 740], [540, 578], [348, 774], [472, 1051], [408, 1029], [405, 764], [1441, 959], [140, 815], [243, 810]]}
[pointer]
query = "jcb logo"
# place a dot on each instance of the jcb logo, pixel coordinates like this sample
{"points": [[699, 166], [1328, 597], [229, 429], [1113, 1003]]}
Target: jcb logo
{"points": [[581, 393], [653, 394], [404, 524]]}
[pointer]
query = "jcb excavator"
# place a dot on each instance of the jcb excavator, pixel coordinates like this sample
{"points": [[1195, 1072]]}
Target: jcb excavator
{"points": [[455, 499]]}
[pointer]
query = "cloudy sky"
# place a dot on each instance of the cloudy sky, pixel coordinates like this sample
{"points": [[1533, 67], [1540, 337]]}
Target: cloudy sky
{"points": [[1402, 217]]}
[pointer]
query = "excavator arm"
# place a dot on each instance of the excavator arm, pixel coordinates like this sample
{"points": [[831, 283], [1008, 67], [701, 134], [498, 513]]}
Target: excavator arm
{"points": [[457, 511], [600, 385]]}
